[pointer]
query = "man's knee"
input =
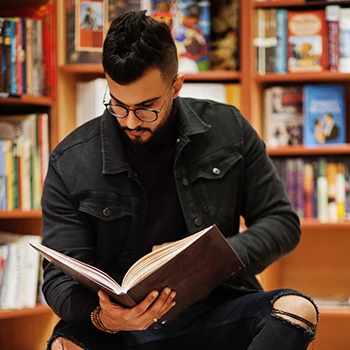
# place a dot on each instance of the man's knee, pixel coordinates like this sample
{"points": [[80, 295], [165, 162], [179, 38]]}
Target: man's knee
{"points": [[296, 309], [64, 344]]}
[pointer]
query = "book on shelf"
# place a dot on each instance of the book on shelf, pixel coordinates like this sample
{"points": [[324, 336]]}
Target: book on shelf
{"points": [[344, 40], [87, 23], [20, 273], [324, 115], [333, 28], [192, 267], [89, 99], [307, 41], [224, 35], [283, 116], [224, 93]]}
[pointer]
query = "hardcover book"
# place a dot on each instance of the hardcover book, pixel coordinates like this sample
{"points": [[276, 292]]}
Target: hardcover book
{"points": [[307, 41], [192, 267], [324, 114]]}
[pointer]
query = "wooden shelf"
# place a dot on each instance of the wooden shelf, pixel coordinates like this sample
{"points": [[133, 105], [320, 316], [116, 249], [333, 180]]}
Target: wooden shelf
{"points": [[20, 214], [317, 226], [27, 100], [302, 77], [94, 69], [40, 309], [5, 4], [295, 3], [309, 151]]}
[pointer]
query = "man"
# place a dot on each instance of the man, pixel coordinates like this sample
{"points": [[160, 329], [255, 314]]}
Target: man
{"points": [[153, 169]]}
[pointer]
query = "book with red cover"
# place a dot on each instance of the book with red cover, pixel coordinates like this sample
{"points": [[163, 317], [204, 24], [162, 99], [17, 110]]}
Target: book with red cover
{"points": [[192, 267]]}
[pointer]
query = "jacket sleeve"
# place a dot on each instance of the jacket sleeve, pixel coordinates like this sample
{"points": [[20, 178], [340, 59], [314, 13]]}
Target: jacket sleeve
{"points": [[273, 228], [65, 230]]}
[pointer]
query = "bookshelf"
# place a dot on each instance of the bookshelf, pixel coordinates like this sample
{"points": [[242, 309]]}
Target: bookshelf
{"points": [[35, 323], [335, 322], [320, 265]]}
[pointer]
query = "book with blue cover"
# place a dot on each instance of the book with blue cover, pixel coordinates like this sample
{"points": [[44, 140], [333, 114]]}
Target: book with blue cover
{"points": [[324, 115]]}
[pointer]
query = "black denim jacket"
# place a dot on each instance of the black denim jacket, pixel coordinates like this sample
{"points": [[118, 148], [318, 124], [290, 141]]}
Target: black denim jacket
{"points": [[94, 208]]}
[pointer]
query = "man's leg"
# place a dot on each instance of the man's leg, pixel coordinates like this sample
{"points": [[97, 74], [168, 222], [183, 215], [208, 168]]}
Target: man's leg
{"points": [[64, 344]]}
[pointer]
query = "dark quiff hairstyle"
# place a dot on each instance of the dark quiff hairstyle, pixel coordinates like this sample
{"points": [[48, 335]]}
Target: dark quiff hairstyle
{"points": [[136, 43]]}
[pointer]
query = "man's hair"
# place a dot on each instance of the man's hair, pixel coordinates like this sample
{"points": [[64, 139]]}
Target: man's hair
{"points": [[136, 43]]}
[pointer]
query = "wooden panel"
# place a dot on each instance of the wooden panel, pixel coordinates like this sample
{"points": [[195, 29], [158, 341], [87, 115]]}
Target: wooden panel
{"points": [[320, 265], [333, 331], [26, 333]]}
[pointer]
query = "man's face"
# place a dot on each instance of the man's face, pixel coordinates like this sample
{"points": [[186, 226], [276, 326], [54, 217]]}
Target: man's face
{"points": [[150, 91]]}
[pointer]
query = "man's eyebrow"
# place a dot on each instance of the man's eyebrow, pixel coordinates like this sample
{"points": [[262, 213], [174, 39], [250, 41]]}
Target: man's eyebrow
{"points": [[137, 104]]}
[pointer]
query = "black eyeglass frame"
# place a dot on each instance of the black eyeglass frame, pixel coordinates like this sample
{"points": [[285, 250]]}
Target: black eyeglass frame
{"points": [[108, 106]]}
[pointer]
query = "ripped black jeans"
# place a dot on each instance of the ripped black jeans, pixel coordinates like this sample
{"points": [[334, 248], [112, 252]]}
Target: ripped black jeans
{"points": [[247, 322]]}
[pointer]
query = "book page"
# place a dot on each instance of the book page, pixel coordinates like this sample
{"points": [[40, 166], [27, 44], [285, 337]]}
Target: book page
{"points": [[63, 262], [152, 261]]}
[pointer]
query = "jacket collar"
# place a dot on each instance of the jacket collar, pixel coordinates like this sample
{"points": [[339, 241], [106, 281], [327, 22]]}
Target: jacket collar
{"points": [[113, 155]]}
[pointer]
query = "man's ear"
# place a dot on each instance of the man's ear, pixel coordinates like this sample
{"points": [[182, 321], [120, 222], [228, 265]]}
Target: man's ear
{"points": [[178, 84]]}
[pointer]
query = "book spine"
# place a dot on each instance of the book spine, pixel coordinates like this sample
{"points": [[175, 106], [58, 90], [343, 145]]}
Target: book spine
{"points": [[7, 56], [333, 18], [19, 57], [49, 58], [2, 27], [308, 191], [340, 191], [281, 47], [13, 46], [344, 43], [322, 191]]}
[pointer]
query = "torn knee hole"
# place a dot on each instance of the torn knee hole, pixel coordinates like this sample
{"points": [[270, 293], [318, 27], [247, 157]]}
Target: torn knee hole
{"points": [[297, 310]]}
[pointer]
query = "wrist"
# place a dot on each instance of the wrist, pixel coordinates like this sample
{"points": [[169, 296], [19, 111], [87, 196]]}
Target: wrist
{"points": [[95, 317]]}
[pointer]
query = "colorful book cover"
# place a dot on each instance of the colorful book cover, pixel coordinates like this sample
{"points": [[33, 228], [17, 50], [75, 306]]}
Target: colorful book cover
{"points": [[224, 35], [324, 115], [283, 118], [192, 34], [307, 41]]}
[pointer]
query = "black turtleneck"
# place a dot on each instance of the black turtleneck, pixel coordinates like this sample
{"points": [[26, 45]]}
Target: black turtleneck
{"points": [[154, 169]]}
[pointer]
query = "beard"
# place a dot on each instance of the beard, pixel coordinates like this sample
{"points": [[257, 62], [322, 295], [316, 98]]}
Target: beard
{"points": [[158, 137]]}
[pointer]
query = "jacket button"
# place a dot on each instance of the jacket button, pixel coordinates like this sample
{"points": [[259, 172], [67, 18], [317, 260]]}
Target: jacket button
{"points": [[216, 171], [198, 222], [106, 212], [185, 182]]}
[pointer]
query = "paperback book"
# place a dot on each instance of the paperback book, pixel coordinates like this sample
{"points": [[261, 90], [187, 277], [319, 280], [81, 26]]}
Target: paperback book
{"points": [[324, 114]]}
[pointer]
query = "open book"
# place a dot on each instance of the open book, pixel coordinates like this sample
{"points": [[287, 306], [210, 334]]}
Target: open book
{"points": [[192, 266]]}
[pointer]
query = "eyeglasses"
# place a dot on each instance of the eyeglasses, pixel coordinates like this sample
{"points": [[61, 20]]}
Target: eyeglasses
{"points": [[142, 113]]}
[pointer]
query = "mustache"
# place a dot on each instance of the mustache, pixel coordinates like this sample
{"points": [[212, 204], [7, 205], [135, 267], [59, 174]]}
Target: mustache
{"points": [[125, 128]]}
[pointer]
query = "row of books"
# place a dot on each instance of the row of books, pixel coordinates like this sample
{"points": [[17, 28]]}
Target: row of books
{"points": [[24, 152], [310, 115], [21, 56], [90, 96], [206, 33], [317, 187], [309, 40], [19, 271]]}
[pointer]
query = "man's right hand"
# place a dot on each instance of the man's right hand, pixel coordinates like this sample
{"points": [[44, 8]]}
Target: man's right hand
{"points": [[141, 316]]}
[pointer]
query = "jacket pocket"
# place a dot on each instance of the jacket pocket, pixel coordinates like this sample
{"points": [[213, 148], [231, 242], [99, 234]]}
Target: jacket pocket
{"points": [[106, 206], [214, 167], [111, 216]]}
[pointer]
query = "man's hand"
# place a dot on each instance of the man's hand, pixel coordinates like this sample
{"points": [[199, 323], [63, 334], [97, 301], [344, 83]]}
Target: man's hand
{"points": [[141, 316]]}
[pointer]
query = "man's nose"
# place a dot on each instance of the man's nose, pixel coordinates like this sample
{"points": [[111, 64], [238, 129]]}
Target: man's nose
{"points": [[132, 122]]}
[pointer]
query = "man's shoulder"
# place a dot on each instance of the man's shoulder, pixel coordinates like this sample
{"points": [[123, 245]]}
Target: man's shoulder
{"points": [[210, 111], [80, 136]]}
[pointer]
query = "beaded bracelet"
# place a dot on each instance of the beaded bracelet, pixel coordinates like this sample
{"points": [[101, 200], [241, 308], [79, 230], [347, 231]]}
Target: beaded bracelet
{"points": [[96, 321]]}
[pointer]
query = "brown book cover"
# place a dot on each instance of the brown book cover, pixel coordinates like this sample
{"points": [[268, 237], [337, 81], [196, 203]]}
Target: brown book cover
{"points": [[192, 267]]}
